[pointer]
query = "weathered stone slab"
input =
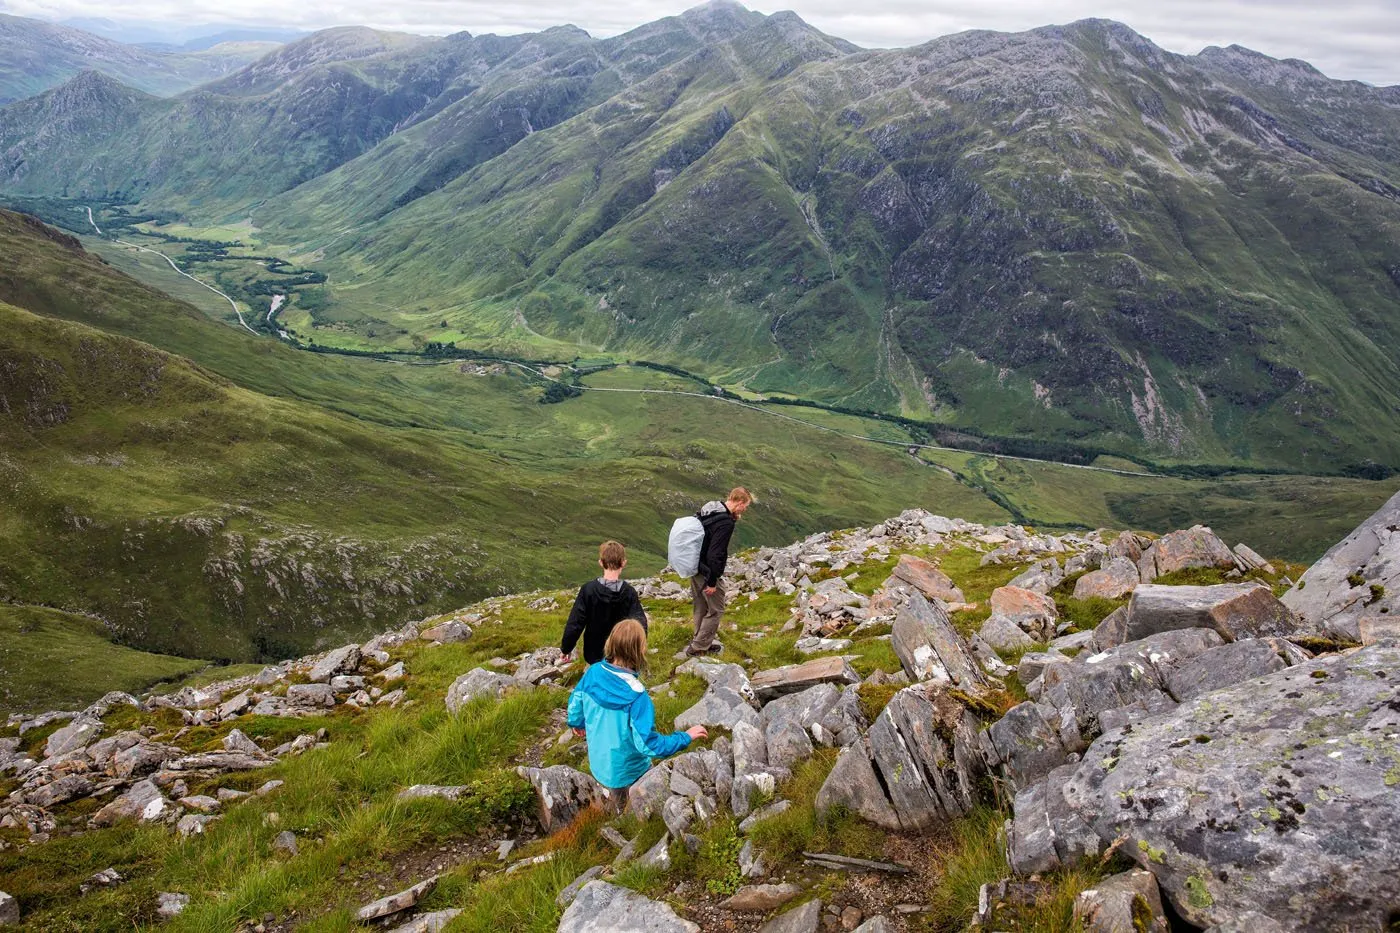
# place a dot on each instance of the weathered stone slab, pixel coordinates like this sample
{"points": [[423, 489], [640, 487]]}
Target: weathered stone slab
{"points": [[1001, 632], [1040, 577], [1034, 613], [760, 898], [342, 660], [479, 682], [397, 903], [721, 707], [1223, 667], [562, 793], [1235, 610], [1179, 550], [1125, 902], [771, 684], [602, 906], [79, 733], [927, 579], [920, 766], [929, 648], [804, 919], [1336, 595], [1114, 579], [1240, 799]]}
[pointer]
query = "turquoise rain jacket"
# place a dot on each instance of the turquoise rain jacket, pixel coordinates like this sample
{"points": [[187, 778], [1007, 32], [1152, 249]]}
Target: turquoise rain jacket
{"points": [[616, 710]]}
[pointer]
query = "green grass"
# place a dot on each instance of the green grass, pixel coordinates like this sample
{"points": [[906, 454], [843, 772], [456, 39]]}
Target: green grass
{"points": [[54, 660]]}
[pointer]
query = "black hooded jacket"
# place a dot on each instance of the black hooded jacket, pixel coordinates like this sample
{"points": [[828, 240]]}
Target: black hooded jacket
{"points": [[719, 528], [599, 606]]}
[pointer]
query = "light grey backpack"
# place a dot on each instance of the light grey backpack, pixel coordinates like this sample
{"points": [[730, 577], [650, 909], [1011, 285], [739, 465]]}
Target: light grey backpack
{"points": [[683, 547]]}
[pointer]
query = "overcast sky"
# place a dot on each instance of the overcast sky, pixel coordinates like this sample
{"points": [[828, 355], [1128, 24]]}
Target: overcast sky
{"points": [[1357, 39]]}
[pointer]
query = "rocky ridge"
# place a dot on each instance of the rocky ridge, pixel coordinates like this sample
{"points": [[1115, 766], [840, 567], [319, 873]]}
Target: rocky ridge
{"points": [[1222, 741]]}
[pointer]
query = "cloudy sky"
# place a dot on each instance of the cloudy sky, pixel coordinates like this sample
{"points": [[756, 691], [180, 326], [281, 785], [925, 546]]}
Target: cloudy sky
{"points": [[1357, 39]]}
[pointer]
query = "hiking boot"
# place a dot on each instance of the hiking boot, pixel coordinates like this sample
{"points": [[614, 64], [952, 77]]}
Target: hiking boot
{"points": [[716, 647]]}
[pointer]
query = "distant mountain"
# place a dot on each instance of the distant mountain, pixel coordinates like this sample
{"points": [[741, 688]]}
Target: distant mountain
{"points": [[1067, 233], [36, 56], [183, 37]]}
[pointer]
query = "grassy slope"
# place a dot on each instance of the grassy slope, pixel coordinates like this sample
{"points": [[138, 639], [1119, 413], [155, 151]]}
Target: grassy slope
{"points": [[356, 843], [53, 660], [313, 524]]}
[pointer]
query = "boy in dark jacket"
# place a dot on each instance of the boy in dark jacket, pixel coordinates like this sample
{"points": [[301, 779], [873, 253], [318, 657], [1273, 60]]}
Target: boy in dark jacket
{"points": [[600, 605], [707, 587]]}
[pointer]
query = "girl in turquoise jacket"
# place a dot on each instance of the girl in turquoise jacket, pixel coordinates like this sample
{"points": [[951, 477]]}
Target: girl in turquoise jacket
{"points": [[613, 709]]}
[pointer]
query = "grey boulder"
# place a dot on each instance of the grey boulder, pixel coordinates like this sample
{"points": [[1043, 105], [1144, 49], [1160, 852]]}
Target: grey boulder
{"points": [[1356, 584], [479, 682], [1235, 610], [1279, 797], [929, 648], [601, 906]]}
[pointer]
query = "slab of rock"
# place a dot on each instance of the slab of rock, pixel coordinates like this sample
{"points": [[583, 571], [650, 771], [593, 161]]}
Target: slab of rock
{"points": [[311, 695], [194, 824], [342, 660], [397, 903], [929, 648], [1026, 744], [927, 579], [201, 802], [1235, 610], [447, 633], [1223, 667], [1125, 545], [921, 765], [9, 910], [602, 906], [237, 705], [1335, 594], [720, 707], [434, 922], [80, 733], [562, 793], [220, 761], [1240, 799], [1034, 613], [285, 842], [1124, 902], [876, 925], [1001, 632], [1040, 577], [479, 682], [141, 798], [761, 898], [236, 741], [1112, 631], [1179, 550], [804, 919], [1116, 578], [650, 791], [771, 684]]}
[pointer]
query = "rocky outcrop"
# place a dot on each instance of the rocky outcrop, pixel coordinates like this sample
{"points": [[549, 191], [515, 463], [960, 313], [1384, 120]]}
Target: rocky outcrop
{"points": [[562, 794], [1115, 578], [1235, 610], [771, 684], [1179, 550], [919, 767], [929, 648], [479, 682], [1242, 799], [1353, 591], [927, 579], [1128, 901]]}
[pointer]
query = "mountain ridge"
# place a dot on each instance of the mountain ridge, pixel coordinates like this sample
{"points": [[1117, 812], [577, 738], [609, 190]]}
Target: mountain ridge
{"points": [[1066, 232]]}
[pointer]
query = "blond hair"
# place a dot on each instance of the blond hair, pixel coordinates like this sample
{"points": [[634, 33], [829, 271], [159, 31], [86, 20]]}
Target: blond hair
{"points": [[627, 645], [740, 495], [612, 555]]}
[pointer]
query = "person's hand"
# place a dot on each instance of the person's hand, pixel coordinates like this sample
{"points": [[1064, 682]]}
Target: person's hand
{"points": [[566, 659], [710, 590], [578, 733], [696, 733]]}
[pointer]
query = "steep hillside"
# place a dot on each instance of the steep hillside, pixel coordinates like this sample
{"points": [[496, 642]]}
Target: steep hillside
{"points": [[197, 517], [35, 56], [1066, 233]]}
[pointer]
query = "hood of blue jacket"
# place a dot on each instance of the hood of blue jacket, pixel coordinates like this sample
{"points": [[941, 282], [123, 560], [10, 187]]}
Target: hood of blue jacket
{"points": [[611, 687]]}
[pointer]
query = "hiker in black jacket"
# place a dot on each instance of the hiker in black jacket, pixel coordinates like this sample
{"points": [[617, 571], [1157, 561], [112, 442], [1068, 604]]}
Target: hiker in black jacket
{"points": [[601, 604], [707, 586]]}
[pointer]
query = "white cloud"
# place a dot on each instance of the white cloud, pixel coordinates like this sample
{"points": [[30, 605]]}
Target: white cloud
{"points": [[1348, 39]]}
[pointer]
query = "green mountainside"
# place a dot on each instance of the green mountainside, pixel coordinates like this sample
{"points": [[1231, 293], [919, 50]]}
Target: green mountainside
{"points": [[38, 55], [194, 516], [1066, 233]]}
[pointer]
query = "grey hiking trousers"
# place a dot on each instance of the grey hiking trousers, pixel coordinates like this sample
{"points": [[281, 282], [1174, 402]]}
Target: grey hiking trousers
{"points": [[709, 610]]}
